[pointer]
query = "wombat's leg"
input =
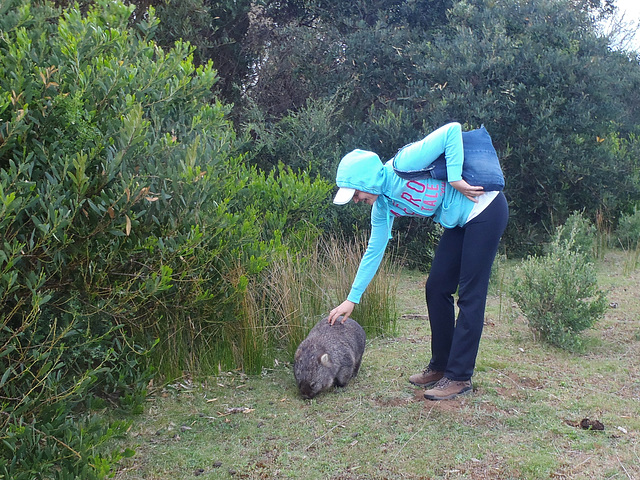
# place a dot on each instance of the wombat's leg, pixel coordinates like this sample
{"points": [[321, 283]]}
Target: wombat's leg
{"points": [[356, 368], [345, 374], [341, 382]]}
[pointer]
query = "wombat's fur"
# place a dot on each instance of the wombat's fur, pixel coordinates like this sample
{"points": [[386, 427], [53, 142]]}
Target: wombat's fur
{"points": [[330, 355]]}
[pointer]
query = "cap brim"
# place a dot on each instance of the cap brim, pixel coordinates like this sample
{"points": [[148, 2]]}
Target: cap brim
{"points": [[344, 196]]}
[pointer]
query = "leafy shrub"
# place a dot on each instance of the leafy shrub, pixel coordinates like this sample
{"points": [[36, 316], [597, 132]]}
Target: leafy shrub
{"points": [[578, 233], [126, 219], [559, 296], [306, 139], [627, 233], [57, 373]]}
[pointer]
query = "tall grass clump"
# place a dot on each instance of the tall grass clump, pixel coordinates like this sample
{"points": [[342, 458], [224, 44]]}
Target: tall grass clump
{"points": [[558, 294], [293, 290], [376, 311], [627, 237], [299, 289]]}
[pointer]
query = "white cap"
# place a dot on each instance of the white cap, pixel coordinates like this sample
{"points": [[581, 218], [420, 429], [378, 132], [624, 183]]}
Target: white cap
{"points": [[344, 195]]}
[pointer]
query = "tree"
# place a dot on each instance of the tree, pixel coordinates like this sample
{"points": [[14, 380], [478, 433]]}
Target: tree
{"points": [[555, 98], [561, 106]]}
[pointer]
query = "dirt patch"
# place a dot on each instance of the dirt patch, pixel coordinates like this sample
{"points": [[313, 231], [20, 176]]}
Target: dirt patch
{"points": [[394, 401], [452, 405], [479, 469], [515, 387]]}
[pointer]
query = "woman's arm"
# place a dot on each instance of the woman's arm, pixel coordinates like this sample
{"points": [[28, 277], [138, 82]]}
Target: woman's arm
{"points": [[448, 140], [380, 227], [419, 155]]}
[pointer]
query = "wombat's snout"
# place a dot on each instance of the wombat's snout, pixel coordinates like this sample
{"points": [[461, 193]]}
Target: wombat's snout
{"points": [[307, 391]]}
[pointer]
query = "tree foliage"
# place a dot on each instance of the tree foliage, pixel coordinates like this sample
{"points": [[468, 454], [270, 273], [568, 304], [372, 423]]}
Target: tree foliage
{"points": [[561, 106], [317, 78], [556, 100]]}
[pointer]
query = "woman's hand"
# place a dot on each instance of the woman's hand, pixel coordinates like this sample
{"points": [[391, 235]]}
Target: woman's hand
{"points": [[467, 190], [345, 309]]}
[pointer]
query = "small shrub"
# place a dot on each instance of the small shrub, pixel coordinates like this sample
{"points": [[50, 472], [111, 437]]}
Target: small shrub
{"points": [[559, 296], [578, 233], [628, 232]]}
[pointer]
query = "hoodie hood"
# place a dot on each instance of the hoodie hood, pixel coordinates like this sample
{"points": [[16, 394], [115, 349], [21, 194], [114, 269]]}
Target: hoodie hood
{"points": [[361, 170]]}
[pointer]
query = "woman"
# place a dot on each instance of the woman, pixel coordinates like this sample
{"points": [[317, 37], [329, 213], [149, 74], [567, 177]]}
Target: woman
{"points": [[474, 221]]}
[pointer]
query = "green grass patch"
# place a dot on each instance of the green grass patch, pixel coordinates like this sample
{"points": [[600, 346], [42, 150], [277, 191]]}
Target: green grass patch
{"points": [[522, 421]]}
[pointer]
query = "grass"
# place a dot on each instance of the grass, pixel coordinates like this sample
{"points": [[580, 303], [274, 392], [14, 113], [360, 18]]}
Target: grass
{"points": [[522, 421]]}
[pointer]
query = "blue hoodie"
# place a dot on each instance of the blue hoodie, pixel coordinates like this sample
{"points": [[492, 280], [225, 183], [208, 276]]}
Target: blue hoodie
{"points": [[397, 197]]}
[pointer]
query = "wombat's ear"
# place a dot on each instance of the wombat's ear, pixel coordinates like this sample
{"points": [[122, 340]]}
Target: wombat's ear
{"points": [[324, 360], [297, 355]]}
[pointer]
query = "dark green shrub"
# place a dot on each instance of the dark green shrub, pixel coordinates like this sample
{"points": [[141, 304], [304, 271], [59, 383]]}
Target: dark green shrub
{"points": [[559, 296], [58, 375], [126, 220], [627, 233]]}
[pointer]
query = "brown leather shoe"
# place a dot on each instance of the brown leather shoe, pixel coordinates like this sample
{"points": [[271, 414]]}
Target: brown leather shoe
{"points": [[447, 389], [427, 378]]}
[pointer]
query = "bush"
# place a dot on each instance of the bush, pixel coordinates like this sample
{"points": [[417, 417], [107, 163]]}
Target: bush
{"points": [[628, 232], [559, 296], [57, 382], [126, 219], [577, 233]]}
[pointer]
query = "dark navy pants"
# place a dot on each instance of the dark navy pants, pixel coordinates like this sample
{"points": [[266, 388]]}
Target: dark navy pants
{"points": [[462, 263]]}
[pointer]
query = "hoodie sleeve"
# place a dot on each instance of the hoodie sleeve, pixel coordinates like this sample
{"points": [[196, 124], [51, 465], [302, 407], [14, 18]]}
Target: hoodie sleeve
{"points": [[419, 155], [380, 227]]}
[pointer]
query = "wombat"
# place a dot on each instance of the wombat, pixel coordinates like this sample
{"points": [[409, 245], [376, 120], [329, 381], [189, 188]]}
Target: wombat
{"points": [[330, 355]]}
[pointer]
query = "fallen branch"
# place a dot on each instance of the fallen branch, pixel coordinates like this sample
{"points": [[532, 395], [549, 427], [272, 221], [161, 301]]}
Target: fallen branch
{"points": [[231, 411]]}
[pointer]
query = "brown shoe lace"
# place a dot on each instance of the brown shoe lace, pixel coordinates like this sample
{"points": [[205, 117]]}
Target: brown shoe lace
{"points": [[442, 383]]}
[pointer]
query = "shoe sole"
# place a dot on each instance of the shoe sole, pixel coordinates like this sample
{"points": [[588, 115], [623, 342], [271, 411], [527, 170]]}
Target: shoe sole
{"points": [[423, 385], [466, 391]]}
